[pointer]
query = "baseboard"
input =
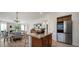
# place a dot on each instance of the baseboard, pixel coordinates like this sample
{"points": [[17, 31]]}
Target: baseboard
{"points": [[75, 44]]}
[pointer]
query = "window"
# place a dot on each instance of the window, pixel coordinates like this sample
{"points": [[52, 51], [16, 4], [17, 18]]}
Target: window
{"points": [[22, 27], [3, 26]]}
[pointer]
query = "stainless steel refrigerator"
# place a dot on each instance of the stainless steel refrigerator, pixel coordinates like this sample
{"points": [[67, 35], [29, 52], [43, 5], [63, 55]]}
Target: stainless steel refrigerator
{"points": [[68, 31], [66, 35]]}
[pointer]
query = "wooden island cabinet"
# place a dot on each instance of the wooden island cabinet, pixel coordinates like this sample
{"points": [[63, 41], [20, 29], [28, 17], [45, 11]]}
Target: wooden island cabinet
{"points": [[41, 40]]}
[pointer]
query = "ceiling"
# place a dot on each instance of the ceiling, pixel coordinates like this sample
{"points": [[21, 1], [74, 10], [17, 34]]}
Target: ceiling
{"points": [[21, 15]]}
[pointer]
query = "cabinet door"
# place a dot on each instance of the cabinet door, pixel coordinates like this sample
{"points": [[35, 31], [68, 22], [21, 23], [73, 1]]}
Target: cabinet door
{"points": [[36, 42], [66, 18], [61, 37], [60, 20]]}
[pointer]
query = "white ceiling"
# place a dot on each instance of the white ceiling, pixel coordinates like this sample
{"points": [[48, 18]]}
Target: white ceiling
{"points": [[21, 15], [7, 15], [29, 15]]}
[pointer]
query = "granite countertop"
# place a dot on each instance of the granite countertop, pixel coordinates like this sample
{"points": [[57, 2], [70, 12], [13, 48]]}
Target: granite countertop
{"points": [[39, 36]]}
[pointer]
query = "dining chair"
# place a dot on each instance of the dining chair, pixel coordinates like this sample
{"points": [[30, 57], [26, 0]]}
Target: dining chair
{"points": [[5, 36], [17, 36]]}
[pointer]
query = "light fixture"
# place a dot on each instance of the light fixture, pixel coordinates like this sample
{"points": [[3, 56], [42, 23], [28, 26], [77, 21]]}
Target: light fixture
{"points": [[17, 20], [41, 13]]}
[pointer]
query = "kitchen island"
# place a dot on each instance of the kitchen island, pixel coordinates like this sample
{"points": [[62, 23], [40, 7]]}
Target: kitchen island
{"points": [[40, 40]]}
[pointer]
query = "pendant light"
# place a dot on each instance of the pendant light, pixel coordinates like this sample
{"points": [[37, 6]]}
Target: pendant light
{"points": [[17, 20]]}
